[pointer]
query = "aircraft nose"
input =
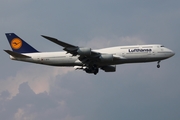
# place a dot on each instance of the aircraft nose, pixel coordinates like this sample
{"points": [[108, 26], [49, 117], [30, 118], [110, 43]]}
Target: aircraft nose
{"points": [[172, 53]]}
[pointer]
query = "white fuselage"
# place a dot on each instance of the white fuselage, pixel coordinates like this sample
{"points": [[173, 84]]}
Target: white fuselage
{"points": [[121, 54]]}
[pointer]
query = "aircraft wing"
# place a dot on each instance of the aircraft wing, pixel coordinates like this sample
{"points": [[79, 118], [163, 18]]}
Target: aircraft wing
{"points": [[74, 50], [61, 43]]}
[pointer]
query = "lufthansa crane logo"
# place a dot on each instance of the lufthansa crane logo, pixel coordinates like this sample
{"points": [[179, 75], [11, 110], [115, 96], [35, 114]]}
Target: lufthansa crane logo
{"points": [[16, 43]]}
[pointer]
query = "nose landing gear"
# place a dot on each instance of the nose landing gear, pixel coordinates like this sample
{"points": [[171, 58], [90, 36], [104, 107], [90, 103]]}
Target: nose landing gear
{"points": [[158, 64]]}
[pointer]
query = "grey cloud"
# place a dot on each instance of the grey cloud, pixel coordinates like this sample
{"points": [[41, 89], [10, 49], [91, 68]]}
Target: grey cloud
{"points": [[126, 94], [30, 103], [105, 97], [4, 95]]}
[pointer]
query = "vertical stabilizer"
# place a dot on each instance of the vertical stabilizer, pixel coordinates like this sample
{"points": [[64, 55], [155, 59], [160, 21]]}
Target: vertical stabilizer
{"points": [[18, 45]]}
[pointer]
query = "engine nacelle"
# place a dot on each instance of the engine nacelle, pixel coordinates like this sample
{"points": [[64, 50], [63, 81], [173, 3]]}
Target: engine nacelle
{"points": [[109, 68], [106, 58], [84, 51]]}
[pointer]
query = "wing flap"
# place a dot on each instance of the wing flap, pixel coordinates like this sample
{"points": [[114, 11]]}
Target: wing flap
{"points": [[16, 55]]}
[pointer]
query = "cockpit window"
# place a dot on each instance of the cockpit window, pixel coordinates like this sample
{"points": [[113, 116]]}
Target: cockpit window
{"points": [[162, 46]]}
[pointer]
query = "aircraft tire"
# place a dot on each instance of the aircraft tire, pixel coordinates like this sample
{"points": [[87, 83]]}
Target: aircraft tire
{"points": [[158, 66]]}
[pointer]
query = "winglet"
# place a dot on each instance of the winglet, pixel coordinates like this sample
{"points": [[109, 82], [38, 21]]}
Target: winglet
{"points": [[16, 55]]}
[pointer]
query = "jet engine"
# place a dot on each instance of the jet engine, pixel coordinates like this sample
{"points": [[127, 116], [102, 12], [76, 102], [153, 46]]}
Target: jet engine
{"points": [[109, 68], [106, 58], [84, 51]]}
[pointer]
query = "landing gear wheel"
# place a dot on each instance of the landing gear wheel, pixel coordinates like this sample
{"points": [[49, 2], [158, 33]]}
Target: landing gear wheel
{"points": [[158, 66], [96, 71]]}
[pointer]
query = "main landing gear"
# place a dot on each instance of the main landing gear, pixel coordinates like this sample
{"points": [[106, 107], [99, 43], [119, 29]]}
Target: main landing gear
{"points": [[92, 69], [158, 64], [95, 69]]}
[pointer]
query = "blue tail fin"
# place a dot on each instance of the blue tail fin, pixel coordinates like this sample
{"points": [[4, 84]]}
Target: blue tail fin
{"points": [[18, 45]]}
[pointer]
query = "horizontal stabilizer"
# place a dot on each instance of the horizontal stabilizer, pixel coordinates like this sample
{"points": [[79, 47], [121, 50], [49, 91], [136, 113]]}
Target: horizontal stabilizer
{"points": [[16, 55]]}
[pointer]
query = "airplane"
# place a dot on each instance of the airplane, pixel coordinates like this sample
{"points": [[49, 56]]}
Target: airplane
{"points": [[84, 58]]}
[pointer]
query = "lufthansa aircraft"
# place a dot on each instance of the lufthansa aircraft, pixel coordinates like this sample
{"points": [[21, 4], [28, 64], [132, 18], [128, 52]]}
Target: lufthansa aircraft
{"points": [[85, 58]]}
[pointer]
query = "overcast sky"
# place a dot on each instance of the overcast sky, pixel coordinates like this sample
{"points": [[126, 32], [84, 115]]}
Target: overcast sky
{"points": [[133, 92]]}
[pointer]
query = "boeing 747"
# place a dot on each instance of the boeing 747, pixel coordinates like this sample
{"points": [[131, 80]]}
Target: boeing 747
{"points": [[85, 58]]}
